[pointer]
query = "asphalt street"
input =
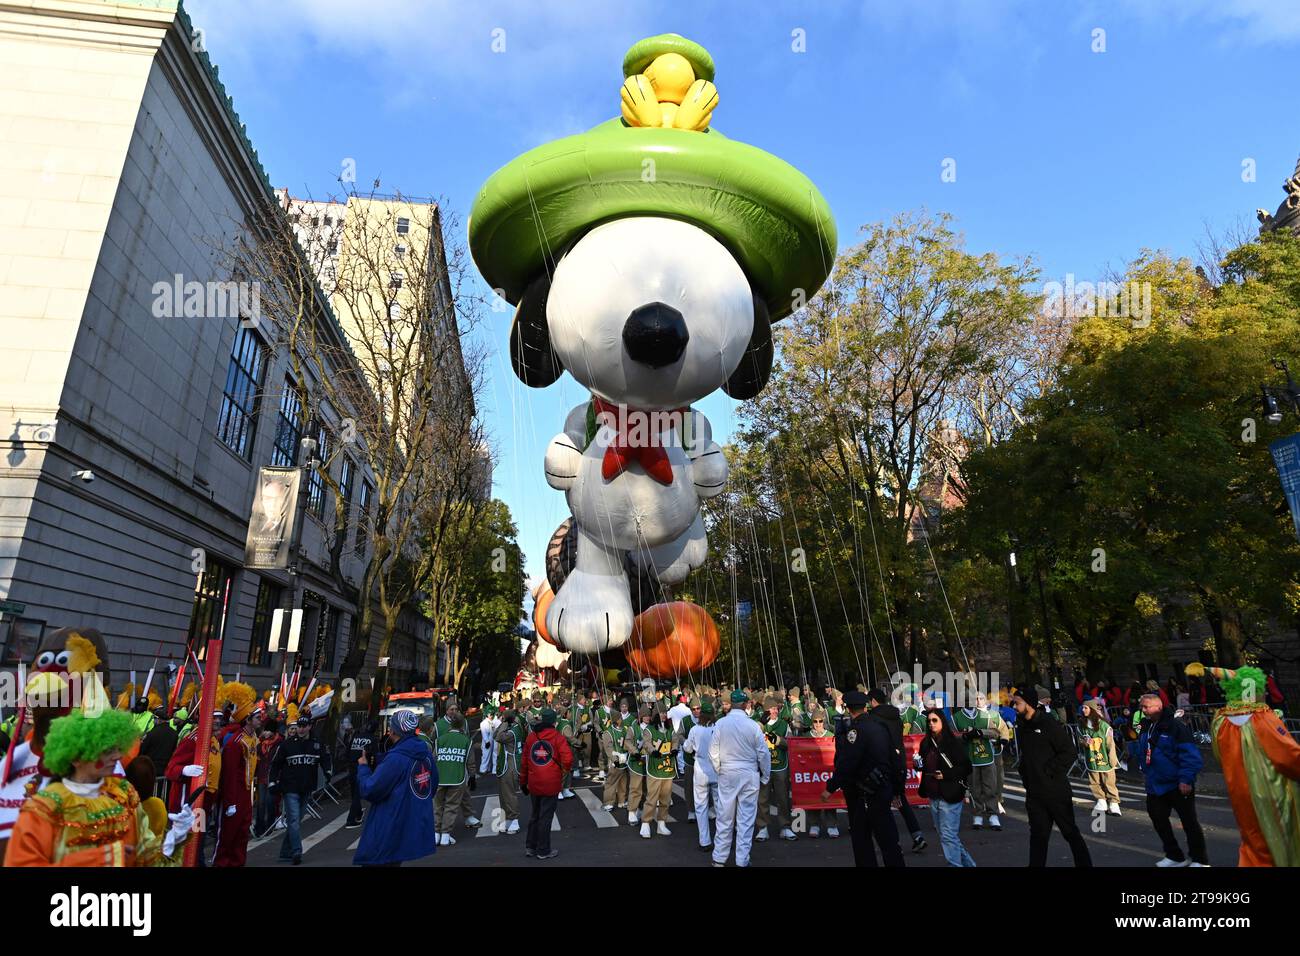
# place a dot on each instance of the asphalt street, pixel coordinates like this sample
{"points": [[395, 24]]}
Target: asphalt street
{"points": [[586, 835]]}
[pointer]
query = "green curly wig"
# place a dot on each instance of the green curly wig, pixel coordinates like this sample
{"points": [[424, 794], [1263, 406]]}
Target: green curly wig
{"points": [[1247, 685], [76, 737]]}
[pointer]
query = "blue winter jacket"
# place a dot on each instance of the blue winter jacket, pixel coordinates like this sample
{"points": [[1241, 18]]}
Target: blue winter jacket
{"points": [[1168, 754], [400, 789]]}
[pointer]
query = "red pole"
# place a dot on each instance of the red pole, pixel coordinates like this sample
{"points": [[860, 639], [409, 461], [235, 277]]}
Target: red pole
{"points": [[203, 738]]}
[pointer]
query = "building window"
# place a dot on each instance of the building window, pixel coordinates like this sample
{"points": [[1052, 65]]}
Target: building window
{"points": [[333, 247], [395, 282], [288, 430], [259, 643], [24, 637], [205, 616], [363, 516], [238, 419], [347, 476], [399, 250], [327, 638], [403, 226], [316, 477]]}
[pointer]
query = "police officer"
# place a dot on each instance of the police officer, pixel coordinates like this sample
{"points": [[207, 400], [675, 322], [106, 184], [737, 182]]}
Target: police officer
{"points": [[362, 737], [864, 771]]}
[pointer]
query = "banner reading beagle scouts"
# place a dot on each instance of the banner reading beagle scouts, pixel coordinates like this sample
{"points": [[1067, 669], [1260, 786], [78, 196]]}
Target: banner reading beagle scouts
{"points": [[812, 761]]}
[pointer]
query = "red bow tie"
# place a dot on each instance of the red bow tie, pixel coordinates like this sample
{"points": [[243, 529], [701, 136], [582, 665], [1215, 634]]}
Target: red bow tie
{"points": [[621, 452]]}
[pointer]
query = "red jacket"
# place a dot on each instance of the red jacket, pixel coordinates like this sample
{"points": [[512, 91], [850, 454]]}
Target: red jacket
{"points": [[547, 758]]}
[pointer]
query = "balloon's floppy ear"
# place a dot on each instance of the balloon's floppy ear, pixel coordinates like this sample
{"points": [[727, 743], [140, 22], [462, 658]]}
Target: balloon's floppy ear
{"points": [[755, 366], [534, 361]]}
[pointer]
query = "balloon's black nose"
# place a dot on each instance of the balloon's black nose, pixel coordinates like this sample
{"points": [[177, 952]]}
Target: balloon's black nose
{"points": [[655, 335]]}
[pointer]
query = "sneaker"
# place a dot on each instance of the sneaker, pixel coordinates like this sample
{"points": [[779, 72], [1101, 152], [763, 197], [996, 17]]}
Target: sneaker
{"points": [[814, 833], [1168, 862], [631, 817], [788, 834], [833, 832], [352, 826], [446, 840], [1099, 806], [761, 835], [607, 807], [1114, 808], [719, 865], [550, 855], [995, 823], [690, 815], [662, 830], [1194, 863], [569, 794], [297, 861], [600, 777], [705, 846], [918, 843], [645, 831], [530, 852], [621, 806], [577, 775], [1123, 765], [473, 823], [978, 824], [514, 827]]}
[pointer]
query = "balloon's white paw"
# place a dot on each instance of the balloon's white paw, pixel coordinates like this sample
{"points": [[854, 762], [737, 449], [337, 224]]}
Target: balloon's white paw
{"points": [[592, 613], [562, 460]]}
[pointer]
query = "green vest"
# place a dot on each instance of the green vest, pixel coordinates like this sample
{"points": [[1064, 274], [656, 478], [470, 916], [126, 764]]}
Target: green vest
{"points": [[776, 732], [660, 763], [1098, 746], [451, 753], [441, 726], [979, 749], [508, 755], [687, 723], [913, 721], [635, 762]]}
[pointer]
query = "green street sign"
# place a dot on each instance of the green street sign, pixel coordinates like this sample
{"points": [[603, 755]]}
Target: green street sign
{"points": [[12, 607]]}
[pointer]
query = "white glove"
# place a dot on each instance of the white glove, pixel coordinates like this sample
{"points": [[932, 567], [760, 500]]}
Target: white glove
{"points": [[181, 825], [193, 770], [230, 810], [620, 759]]}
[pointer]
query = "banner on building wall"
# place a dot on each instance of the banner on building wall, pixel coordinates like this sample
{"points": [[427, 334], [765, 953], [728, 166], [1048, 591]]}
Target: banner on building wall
{"points": [[1286, 455], [270, 526]]}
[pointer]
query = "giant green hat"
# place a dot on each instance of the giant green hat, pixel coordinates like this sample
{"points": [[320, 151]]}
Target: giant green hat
{"points": [[767, 213]]}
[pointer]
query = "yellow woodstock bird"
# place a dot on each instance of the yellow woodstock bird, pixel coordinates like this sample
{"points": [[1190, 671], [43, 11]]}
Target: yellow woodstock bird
{"points": [[669, 92]]}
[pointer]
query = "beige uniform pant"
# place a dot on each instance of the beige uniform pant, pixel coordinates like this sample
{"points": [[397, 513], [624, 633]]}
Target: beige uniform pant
{"points": [[635, 790], [1102, 783], [775, 792], [983, 783], [448, 805], [509, 792], [659, 794], [616, 785]]}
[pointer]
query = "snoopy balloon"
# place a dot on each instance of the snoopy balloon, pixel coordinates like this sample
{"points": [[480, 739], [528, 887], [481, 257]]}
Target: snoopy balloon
{"points": [[647, 257]]}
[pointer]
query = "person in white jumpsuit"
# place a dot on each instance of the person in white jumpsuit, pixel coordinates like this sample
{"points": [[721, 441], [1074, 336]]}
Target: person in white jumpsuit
{"points": [[487, 736], [704, 781], [741, 761]]}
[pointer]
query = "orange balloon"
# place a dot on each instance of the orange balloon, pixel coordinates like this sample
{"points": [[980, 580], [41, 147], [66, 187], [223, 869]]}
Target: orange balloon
{"points": [[672, 639], [540, 603]]}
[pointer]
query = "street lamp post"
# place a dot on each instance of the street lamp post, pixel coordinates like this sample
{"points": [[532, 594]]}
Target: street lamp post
{"points": [[1277, 395]]}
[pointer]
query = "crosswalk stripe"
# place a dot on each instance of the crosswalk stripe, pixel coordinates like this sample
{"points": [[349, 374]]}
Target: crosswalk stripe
{"points": [[352, 847], [328, 830], [489, 817], [1125, 790], [603, 817]]}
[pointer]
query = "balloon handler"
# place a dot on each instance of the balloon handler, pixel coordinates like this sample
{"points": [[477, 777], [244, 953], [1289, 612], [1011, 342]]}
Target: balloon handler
{"points": [[1261, 768], [647, 256], [88, 816]]}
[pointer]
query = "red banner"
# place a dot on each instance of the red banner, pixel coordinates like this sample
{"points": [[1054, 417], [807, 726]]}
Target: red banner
{"points": [[812, 760], [912, 782]]}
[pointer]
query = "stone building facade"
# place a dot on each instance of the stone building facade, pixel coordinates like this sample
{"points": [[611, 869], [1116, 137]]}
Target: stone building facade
{"points": [[139, 394]]}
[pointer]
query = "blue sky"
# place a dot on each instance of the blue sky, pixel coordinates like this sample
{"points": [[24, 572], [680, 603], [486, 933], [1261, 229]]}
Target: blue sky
{"points": [[1076, 158]]}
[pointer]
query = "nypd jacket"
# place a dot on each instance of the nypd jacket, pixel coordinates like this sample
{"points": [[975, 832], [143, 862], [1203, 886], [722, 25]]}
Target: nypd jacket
{"points": [[1169, 754], [400, 789]]}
